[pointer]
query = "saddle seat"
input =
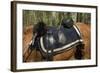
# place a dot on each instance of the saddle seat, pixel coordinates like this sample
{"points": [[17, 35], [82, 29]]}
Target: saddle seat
{"points": [[58, 40]]}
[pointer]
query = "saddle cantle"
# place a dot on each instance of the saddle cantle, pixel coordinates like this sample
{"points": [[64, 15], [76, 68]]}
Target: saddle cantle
{"points": [[59, 39]]}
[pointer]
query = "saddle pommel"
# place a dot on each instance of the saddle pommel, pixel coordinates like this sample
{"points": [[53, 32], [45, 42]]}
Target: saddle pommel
{"points": [[67, 23]]}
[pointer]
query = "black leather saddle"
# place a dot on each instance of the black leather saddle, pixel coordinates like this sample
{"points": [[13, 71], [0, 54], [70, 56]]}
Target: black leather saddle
{"points": [[56, 40]]}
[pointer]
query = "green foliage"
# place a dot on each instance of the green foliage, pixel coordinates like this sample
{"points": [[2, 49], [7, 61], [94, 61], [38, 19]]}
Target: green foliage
{"points": [[52, 18]]}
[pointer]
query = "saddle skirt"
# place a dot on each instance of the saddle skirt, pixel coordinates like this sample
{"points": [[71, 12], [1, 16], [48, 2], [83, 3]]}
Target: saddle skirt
{"points": [[60, 39]]}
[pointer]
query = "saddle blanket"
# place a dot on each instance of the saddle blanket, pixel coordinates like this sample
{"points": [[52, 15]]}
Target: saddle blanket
{"points": [[60, 39]]}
